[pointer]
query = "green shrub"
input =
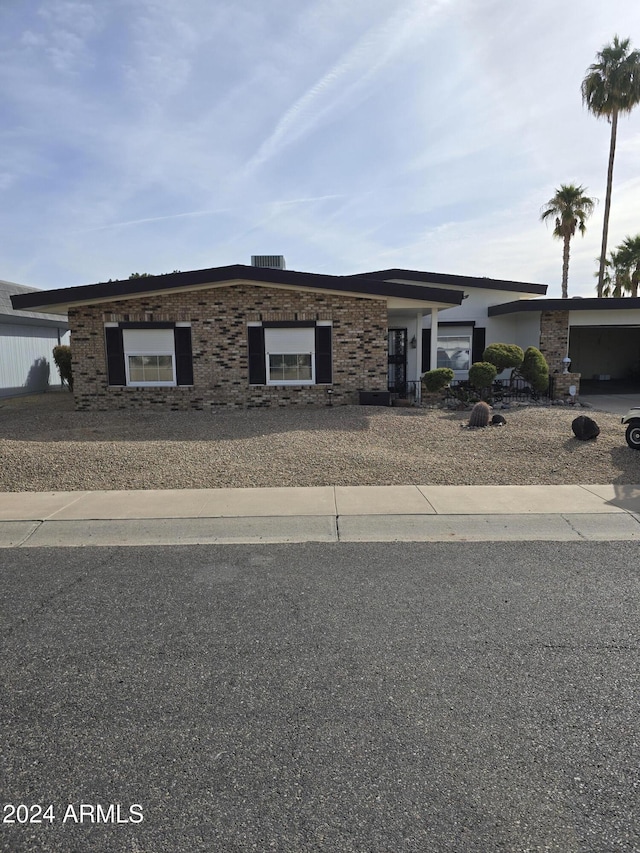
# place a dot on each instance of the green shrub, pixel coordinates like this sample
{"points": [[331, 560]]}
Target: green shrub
{"points": [[503, 356], [535, 369], [436, 380], [482, 374], [62, 358]]}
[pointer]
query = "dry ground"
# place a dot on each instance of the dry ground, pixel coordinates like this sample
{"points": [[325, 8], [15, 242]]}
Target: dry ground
{"points": [[46, 445]]}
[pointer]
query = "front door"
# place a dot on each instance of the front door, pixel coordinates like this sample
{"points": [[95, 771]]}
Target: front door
{"points": [[397, 357]]}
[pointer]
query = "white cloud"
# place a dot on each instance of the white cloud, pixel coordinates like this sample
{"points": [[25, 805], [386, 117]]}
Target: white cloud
{"points": [[345, 81]]}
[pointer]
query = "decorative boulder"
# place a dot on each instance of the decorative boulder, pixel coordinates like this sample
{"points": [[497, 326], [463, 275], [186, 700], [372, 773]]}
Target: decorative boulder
{"points": [[585, 428], [498, 420]]}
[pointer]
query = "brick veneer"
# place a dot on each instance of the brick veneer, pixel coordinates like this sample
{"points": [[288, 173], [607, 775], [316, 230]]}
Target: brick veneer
{"points": [[219, 318], [554, 345]]}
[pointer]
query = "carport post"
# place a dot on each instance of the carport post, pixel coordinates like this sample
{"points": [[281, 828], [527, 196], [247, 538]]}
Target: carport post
{"points": [[434, 338]]}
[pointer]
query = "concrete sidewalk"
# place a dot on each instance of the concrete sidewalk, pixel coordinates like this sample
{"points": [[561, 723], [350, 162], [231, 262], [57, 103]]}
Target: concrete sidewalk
{"points": [[320, 514]]}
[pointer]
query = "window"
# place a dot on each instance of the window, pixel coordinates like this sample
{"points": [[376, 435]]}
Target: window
{"points": [[290, 368], [454, 351], [290, 356], [149, 354], [290, 353]]}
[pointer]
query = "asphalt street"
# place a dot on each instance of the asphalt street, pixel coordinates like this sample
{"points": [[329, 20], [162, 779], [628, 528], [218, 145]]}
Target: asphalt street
{"points": [[378, 698]]}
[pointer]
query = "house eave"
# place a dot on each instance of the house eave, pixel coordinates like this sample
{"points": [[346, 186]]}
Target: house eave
{"points": [[576, 304], [93, 294], [462, 281]]}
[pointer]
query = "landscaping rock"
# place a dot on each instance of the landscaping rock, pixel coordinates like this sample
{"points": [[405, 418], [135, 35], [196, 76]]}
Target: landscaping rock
{"points": [[585, 428]]}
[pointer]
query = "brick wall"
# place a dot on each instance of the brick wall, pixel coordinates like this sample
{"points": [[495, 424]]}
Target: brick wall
{"points": [[554, 338], [219, 318], [554, 345]]}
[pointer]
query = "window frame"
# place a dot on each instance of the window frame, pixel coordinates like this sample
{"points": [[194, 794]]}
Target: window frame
{"points": [[118, 354], [321, 352], [294, 350]]}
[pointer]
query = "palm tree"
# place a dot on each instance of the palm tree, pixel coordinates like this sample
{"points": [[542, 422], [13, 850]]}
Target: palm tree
{"points": [[629, 252], [570, 207], [616, 275], [611, 87]]}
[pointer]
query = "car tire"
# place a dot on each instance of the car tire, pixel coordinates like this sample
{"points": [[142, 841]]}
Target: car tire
{"points": [[633, 434]]}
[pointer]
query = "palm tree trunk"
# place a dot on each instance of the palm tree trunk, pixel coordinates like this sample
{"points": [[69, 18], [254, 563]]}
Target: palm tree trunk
{"points": [[565, 267], [607, 203]]}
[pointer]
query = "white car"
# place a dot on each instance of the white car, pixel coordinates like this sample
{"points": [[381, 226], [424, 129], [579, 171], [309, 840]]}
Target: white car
{"points": [[632, 420]]}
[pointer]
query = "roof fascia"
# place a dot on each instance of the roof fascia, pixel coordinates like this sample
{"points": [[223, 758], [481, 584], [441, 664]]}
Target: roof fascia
{"points": [[624, 303], [65, 298], [447, 279]]}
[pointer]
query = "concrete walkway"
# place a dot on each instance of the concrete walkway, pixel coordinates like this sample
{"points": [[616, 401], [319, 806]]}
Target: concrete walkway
{"points": [[321, 514]]}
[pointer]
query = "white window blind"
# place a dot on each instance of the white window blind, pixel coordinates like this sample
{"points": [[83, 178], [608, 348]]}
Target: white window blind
{"points": [[289, 340], [151, 341]]}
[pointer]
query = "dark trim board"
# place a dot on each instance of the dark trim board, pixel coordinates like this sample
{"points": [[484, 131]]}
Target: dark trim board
{"points": [[457, 280], [131, 288], [624, 303]]}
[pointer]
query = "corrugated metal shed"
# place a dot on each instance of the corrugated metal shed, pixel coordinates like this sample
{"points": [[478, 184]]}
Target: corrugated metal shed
{"points": [[27, 339]]}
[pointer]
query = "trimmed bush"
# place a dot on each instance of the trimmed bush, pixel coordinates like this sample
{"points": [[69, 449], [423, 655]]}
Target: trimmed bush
{"points": [[503, 356], [436, 380], [62, 358], [482, 374], [535, 370], [479, 416]]}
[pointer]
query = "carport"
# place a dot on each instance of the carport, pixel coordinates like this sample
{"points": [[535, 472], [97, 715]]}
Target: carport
{"points": [[600, 336]]}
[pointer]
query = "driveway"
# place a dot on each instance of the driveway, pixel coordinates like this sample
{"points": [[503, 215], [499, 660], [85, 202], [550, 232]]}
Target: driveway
{"points": [[618, 404]]}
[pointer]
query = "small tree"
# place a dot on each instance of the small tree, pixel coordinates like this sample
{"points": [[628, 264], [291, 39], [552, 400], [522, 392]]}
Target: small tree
{"points": [[62, 358], [436, 380], [481, 375], [535, 369], [503, 356]]}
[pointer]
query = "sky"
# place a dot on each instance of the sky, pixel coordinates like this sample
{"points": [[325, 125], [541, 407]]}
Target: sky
{"points": [[346, 135]]}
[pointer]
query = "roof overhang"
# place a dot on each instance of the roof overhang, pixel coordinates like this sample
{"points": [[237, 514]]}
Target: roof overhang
{"points": [[113, 291], [50, 321], [576, 304], [463, 281]]}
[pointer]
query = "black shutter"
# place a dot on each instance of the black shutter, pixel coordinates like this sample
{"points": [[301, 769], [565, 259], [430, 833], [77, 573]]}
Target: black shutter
{"points": [[184, 359], [478, 344], [257, 363], [426, 350], [115, 356], [323, 355]]}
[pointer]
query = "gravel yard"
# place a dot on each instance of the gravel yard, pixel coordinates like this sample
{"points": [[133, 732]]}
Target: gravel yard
{"points": [[45, 445]]}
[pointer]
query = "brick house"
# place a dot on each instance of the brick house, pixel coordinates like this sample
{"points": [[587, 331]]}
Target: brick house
{"points": [[237, 336], [266, 336]]}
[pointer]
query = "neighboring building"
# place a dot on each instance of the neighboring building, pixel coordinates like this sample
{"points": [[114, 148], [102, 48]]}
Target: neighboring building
{"points": [[27, 339]]}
